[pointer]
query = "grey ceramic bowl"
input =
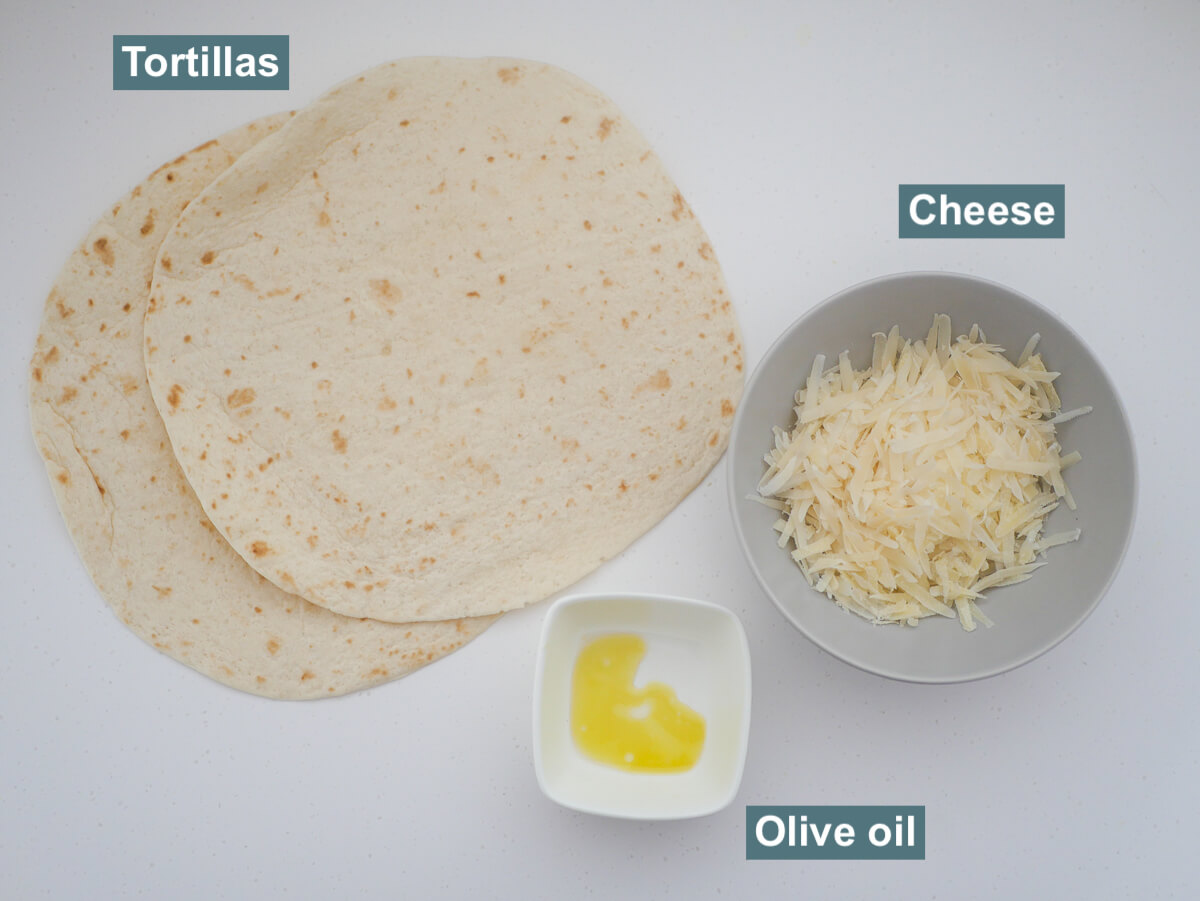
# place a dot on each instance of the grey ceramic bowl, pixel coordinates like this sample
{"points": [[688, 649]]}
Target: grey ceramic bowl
{"points": [[1030, 618]]}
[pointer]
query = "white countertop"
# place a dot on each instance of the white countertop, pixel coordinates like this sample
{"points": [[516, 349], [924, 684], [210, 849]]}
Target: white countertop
{"points": [[788, 127]]}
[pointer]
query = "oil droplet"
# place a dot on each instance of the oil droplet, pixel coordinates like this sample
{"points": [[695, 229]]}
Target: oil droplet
{"points": [[630, 728]]}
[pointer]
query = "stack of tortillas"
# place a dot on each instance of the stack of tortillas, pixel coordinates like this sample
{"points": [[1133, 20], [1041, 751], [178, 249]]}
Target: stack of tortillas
{"points": [[321, 398]]}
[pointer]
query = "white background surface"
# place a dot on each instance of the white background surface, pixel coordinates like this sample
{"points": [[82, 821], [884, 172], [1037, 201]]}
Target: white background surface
{"points": [[788, 126]]}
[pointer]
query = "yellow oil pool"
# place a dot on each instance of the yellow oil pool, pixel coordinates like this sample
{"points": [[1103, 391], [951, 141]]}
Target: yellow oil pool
{"points": [[612, 722]]}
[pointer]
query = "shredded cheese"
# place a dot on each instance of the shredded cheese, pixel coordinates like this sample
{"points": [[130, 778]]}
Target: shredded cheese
{"points": [[909, 488]]}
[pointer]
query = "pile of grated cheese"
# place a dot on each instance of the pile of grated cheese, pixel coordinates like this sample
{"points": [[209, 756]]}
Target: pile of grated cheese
{"points": [[909, 488]]}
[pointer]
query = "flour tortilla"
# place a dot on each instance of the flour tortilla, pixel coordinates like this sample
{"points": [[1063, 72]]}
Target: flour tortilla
{"points": [[450, 342], [141, 532]]}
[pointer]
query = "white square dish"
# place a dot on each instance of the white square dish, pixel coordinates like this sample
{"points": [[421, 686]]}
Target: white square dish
{"points": [[697, 648]]}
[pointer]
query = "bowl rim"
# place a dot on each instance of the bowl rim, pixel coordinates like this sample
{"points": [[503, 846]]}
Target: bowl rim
{"points": [[736, 433], [580, 599]]}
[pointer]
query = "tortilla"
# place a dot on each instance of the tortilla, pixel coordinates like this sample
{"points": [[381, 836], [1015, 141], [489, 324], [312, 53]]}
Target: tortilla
{"points": [[450, 342], [139, 529]]}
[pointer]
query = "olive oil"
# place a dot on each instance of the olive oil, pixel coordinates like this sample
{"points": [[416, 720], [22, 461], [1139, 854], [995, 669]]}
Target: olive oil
{"points": [[638, 729]]}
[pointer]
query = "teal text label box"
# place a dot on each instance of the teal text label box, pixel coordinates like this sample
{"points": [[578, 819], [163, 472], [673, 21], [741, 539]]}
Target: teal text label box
{"points": [[983, 211], [200, 62], [845, 832]]}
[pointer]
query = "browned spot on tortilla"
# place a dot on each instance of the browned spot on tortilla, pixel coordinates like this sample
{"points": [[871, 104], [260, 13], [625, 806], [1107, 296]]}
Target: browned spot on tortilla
{"points": [[501, 278], [165, 262], [510, 75], [339, 441], [312, 540], [565, 119], [261, 679], [306, 675], [323, 218], [208, 257], [391, 94], [387, 403], [162, 592], [63, 477], [587, 224], [605, 128], [384, 290], [170, 176], [660, 381], [623, 486], [680, 208], [726, 408], [148, 225], [712, 441], [68, 394], [174, 395], [472, 294], [241, 397], [37, 374], [104, 251], [51, 355], [260, 549], [404, 123], [440, 188], [124, 434]]}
